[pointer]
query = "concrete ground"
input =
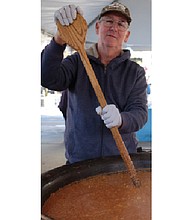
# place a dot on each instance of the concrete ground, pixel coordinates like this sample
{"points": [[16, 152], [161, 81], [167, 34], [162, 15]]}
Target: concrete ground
{"points": [[52, 144]]}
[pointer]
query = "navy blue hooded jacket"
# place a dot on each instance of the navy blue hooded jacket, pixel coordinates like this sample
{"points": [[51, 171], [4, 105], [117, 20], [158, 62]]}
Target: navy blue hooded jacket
{"points": [[123, 83]]}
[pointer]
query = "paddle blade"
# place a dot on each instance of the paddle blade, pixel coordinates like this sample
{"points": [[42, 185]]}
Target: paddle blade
{"points": [[74, 34]]}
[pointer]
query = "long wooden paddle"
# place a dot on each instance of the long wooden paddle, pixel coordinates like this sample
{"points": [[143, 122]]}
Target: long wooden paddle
{"points": [[75, 35]]}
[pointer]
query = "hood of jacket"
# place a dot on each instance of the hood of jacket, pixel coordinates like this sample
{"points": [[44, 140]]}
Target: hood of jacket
{"points": [[93, 52]]}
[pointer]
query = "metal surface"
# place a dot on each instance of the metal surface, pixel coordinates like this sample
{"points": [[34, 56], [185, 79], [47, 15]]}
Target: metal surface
{"points": [[44, 217]]}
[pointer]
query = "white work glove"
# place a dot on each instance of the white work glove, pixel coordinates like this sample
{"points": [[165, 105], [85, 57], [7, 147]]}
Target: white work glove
{"points": [[67, 14], [110, 115]]}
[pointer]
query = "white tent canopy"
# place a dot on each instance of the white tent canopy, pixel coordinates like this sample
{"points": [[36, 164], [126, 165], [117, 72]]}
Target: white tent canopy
{"points": [[140, 38]]}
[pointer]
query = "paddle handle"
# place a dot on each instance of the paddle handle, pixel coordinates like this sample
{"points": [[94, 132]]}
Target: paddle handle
{"points": [[115, 132]]}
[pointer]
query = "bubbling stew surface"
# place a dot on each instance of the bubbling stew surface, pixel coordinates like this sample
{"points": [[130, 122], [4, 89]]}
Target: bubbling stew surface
{"points": [[107, 196]]}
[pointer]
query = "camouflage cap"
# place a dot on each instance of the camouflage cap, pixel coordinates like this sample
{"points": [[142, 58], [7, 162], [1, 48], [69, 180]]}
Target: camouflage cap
{"points": [[118, 7]]}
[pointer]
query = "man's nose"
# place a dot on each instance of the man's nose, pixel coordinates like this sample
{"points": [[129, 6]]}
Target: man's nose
{"points": [[114, 26]]}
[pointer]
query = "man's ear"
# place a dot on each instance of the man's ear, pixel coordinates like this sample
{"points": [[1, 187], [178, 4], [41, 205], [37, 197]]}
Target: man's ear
{"points": [[97, 27], [127, 36]]}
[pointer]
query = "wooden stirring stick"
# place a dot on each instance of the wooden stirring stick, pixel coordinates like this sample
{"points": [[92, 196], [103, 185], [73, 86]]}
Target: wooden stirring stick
{"points": [[75, 35]]}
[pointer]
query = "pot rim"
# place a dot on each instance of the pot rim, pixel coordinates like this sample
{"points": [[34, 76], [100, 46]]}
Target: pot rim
{"points": [[61, 176]]}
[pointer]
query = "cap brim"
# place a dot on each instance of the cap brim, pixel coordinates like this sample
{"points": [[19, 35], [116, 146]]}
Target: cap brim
{"points": [[114, 10]]}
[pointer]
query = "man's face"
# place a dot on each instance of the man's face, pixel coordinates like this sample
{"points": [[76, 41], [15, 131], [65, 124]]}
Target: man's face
{"points": [[112, 30]]}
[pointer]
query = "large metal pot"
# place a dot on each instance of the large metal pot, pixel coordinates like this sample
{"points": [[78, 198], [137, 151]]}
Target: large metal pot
{"points": [[59, 177]]}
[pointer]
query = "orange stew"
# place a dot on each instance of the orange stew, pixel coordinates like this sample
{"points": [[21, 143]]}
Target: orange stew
{"points": [[108, 196]]}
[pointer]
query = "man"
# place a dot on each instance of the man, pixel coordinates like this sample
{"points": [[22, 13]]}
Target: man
{"points": [[123, 82]]}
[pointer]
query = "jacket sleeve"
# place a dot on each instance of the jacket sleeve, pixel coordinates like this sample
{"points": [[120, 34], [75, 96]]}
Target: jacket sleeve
{"points": [[135, 114], [54, 74]]}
